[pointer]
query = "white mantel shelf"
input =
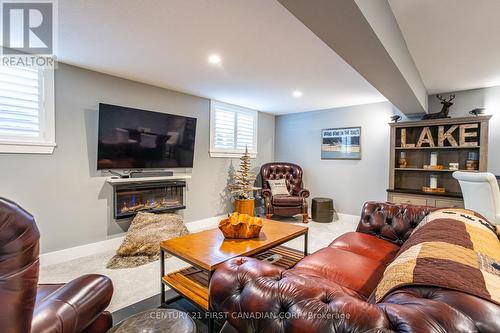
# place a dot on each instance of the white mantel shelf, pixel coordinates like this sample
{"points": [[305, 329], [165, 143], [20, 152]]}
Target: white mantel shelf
{"points": [[121, 181]]}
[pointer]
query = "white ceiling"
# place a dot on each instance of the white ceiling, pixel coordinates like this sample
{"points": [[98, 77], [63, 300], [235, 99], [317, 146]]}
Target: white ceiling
{"points": [[266, 52], [455, 43]]}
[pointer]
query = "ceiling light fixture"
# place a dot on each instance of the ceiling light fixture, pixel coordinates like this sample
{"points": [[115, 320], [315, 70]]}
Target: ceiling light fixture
{"points": [[214, 59], [297, 93]]}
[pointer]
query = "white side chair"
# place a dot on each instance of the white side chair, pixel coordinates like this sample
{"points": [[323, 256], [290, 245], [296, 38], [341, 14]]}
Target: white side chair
{"points": [[481, 193]]}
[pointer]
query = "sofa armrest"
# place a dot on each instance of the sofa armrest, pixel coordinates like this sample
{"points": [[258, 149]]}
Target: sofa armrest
{"points": [[74, 306], [391, 222], [258, 297]]}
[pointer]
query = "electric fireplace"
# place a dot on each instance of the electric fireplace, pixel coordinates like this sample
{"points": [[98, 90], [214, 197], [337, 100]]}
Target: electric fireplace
{"points": [[158, 197]]}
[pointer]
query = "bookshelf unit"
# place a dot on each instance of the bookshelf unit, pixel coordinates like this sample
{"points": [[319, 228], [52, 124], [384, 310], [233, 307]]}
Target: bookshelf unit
{"points": [[452, 139]]}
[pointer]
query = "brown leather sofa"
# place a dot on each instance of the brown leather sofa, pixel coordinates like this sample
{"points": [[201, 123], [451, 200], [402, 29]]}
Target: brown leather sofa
{"points": [[291, 205], [25, 305], [330, 290]]}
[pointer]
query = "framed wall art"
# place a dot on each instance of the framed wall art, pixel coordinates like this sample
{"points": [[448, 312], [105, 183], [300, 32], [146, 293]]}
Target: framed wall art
{"points": [[341, 143]]}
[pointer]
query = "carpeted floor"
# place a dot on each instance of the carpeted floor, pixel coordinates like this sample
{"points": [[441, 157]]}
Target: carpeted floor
{"points": [[133, 285]]}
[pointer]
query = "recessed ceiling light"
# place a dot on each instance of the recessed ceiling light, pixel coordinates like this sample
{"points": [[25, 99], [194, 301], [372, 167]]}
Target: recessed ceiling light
{"points": [[297, 93], [214, 59]]}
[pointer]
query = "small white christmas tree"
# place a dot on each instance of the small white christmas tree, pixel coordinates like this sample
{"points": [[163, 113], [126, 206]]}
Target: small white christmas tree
{"points": [[244, 178]]}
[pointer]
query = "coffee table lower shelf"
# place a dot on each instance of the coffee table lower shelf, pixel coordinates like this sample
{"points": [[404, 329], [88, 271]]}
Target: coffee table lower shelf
{"points": [[192, 282]]}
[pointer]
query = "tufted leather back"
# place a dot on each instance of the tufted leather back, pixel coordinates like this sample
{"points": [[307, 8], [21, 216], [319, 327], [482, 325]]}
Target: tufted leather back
{"points": [[19, 249], [300, 302], [292, 173], [391, 222]]}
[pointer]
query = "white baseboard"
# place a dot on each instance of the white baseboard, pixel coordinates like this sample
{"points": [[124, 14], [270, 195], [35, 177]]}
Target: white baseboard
{"points": [[56, 257], [60, 256]]}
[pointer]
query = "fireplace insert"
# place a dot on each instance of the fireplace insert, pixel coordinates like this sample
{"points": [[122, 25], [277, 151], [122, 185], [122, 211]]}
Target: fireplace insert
{"points": [[158, 197]]}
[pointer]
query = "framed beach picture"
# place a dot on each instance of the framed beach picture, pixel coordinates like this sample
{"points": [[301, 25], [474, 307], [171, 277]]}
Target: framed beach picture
{"points": [[341, 143]]}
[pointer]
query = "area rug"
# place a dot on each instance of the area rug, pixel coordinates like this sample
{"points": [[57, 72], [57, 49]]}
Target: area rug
{"points": [[142, 242]]}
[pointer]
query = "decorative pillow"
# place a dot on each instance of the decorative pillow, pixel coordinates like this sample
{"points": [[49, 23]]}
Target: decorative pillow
{"points": [[278, 187], [142, 242]]}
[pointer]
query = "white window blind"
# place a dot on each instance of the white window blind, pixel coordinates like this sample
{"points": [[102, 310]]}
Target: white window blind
{"points": [[232, 130], [19, 102], [26, 110]]}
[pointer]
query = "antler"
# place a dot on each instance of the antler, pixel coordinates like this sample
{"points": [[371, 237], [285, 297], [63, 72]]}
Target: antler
{"points": [[442, 99]]}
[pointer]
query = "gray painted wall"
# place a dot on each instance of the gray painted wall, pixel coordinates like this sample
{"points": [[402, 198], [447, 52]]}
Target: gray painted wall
{"points": [[70, 200], [349, 182], [470, 99]]}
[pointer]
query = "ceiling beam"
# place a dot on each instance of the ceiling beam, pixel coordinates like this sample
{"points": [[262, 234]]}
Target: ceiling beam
{"points": [[366, 35]]}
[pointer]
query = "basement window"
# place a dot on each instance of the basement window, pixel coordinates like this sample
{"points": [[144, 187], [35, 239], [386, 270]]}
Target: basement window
{"points": [[232, 130], [27, 117]]}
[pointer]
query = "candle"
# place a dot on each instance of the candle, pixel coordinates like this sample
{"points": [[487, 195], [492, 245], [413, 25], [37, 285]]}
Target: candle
{"points": [[433, 181], [434, 158]]}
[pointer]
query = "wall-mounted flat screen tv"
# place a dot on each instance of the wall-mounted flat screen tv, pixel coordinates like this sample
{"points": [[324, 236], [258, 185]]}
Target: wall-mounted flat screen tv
{"points": [[139, 139]]}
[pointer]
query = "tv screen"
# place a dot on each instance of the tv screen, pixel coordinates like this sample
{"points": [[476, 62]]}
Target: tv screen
{"points": [[138, 139]]}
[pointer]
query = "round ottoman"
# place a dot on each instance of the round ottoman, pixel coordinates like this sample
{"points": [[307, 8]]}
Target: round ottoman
{"points": [[322, 210], [157, 321]]}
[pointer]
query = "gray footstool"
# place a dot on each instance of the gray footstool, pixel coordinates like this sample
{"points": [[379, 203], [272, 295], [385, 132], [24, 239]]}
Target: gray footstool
{"points": [[157, 321]]}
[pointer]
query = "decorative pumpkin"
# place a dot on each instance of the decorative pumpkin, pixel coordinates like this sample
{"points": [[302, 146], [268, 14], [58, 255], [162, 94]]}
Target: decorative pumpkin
{"points": [[240, 226]]}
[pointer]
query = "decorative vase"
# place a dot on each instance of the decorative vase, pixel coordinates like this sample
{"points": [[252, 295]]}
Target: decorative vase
{"points": [[403, 162], [472, 162], [244, 206]]}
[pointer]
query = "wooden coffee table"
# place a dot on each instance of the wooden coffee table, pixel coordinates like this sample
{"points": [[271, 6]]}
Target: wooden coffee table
{"points": [[206, 250]]}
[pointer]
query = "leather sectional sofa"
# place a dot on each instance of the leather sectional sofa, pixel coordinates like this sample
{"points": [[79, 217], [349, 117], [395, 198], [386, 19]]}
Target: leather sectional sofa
{"points": [[331, 289], [26, 306]]}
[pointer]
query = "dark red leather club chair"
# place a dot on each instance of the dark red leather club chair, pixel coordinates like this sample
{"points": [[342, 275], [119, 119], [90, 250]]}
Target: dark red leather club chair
{"points": [[26, 306], [293, 204]]}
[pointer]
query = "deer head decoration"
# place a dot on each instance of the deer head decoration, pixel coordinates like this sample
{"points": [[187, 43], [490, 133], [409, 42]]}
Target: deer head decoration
{"points": [[445, 110]]}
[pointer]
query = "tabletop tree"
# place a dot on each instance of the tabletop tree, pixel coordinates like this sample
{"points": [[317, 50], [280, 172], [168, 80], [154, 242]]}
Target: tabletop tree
{"points": [[242, 188]]}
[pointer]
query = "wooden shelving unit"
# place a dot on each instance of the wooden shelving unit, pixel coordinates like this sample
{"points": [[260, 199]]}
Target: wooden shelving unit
{"points": [[432, 148], [428, 170], [418, 139]]}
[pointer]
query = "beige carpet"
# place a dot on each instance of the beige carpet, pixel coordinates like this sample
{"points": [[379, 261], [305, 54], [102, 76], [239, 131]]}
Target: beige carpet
{"points": [[135, 284]]}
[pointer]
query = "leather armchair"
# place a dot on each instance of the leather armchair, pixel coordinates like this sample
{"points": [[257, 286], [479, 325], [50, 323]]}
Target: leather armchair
{"points": [[291, 205], [26, 306], [330, 290]]}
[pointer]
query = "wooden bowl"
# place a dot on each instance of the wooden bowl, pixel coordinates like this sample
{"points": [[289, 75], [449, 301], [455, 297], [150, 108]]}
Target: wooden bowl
{"points": [[241, 226]]}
